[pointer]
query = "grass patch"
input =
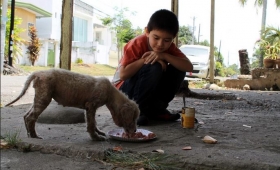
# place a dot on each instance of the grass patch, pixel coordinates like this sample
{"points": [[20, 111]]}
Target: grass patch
{"points": [[12, 138], [197, 84], [31, 69], [88, 69], [148, 161]]}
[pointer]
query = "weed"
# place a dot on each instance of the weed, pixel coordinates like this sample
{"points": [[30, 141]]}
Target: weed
{"points": [[149, 161], [197, 84], [79, 61], [12, 138]]}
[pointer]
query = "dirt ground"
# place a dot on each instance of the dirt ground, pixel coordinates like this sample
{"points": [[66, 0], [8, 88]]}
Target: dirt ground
{"points": [[247, 130]]}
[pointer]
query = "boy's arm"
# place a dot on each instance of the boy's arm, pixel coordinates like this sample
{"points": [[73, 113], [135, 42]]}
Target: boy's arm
{"points": [[129, 70], [181, 63]]}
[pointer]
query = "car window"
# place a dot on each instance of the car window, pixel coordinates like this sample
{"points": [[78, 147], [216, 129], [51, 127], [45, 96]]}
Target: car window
{"points": [[194, 51]]}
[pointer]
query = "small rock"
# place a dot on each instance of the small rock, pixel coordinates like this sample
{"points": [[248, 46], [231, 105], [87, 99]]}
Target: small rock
{"points": [[212, 87], [246, 87]]}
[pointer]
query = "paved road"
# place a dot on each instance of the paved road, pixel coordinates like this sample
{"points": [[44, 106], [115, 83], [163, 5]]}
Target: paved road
{"points": [[247, 130]]}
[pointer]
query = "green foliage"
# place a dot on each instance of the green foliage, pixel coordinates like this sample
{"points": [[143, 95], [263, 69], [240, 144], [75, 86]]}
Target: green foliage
{"points": [[232, 70], [271, 51], [197, 84], [121, 25], [106, 20], [220, 69], [267, 45], [271, 34], [138, 31], [259, 3], [79, 61], [34, 46], [184, 35], [12, 138], [125, 31], [17, 40], [256, 59], [205, 43]]}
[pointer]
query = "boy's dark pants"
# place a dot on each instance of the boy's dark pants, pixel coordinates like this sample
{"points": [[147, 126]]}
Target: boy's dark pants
{"points": [[152, 88]]}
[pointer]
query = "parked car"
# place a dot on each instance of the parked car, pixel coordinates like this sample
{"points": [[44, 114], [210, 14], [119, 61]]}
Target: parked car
{"points": [[200, 57]]}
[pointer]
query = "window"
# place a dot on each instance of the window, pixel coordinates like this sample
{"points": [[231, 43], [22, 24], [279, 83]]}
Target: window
{"points": [[80, 29]]}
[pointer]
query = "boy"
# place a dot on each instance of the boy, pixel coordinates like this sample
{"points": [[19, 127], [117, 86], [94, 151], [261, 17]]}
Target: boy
{"points": [[152, 68]]}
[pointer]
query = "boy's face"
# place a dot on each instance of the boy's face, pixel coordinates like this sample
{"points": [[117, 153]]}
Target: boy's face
{"points": [[159, 40]]}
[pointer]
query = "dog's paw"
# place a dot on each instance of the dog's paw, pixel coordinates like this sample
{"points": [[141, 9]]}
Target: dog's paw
{"points": [[101, 138], [101, 133]]}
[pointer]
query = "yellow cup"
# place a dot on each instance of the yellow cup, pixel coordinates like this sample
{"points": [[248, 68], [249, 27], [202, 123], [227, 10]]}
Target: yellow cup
{"points": [[188, 117]]}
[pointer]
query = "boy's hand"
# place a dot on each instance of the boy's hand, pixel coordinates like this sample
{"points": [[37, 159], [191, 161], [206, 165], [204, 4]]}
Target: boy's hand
{"points": [[152, 57]]}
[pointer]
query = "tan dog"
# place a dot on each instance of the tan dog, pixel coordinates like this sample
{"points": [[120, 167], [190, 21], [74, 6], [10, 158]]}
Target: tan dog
{"points": [[81, 91]]}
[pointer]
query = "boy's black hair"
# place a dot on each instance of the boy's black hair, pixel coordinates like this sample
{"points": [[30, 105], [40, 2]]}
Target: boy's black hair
{"points": [[164, 20]]}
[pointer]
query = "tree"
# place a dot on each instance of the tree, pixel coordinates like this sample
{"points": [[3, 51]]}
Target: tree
{"points": [[271, 34], [232, 70], [17, 40], [260, 2], [264, 4], [184, 35], [122, 27], [33, 49], [256, 58], [138, 31]]}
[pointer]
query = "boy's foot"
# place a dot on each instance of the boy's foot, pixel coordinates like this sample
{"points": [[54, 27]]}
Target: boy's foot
{"points": [[167, 116], [142, 120]]}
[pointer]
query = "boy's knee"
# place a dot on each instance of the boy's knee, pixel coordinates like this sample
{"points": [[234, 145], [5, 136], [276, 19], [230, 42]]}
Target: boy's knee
{"points": [[155, 68]]}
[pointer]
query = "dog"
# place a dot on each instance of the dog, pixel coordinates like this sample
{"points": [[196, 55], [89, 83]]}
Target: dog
{"points": [[82, 91]]}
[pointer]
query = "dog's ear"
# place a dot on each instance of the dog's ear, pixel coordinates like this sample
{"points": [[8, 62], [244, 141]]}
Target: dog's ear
{"points": [[129, 112]]}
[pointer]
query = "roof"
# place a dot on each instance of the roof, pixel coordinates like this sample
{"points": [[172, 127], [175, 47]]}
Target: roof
{"points": [[39, 12]]}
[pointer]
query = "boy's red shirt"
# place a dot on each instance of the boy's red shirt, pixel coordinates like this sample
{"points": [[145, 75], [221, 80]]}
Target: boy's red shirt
{"points": [[134, 50]]}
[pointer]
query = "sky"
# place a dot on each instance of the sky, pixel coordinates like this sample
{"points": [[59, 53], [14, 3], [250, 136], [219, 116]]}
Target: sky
{"points": [[236, 27]]}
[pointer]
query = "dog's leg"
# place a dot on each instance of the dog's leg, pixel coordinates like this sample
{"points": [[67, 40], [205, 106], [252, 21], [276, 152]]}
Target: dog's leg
{"points": [[91, 125], [24, 117], [100, 132], [41, 101]]}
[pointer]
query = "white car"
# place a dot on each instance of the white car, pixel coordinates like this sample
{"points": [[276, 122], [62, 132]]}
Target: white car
{"points": [[200, 57]]}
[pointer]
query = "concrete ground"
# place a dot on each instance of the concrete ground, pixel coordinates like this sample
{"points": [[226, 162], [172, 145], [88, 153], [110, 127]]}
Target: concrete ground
{"points": [[247, 130]]}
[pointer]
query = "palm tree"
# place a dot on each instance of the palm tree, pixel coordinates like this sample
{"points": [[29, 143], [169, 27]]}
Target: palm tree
{"points": [[271, 34], [262, 3]]}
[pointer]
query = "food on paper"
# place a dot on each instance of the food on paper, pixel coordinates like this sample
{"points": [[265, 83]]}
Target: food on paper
{"points": [[137, 135], [141, 135]]}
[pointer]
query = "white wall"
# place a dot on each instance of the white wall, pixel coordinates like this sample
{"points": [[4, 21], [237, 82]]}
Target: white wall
{"points": [[102, 54], [50, 29], [42, 61]]}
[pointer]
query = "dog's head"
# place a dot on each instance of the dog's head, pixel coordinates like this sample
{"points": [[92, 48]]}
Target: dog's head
{"points": [[127, 117]]}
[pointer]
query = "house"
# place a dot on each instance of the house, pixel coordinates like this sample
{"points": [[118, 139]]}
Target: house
{"points": [[28, 13], [91, 41]]}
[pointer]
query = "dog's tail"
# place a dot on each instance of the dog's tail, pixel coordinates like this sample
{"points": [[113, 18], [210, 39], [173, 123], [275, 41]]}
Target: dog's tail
{"points": [[26, 86]]}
